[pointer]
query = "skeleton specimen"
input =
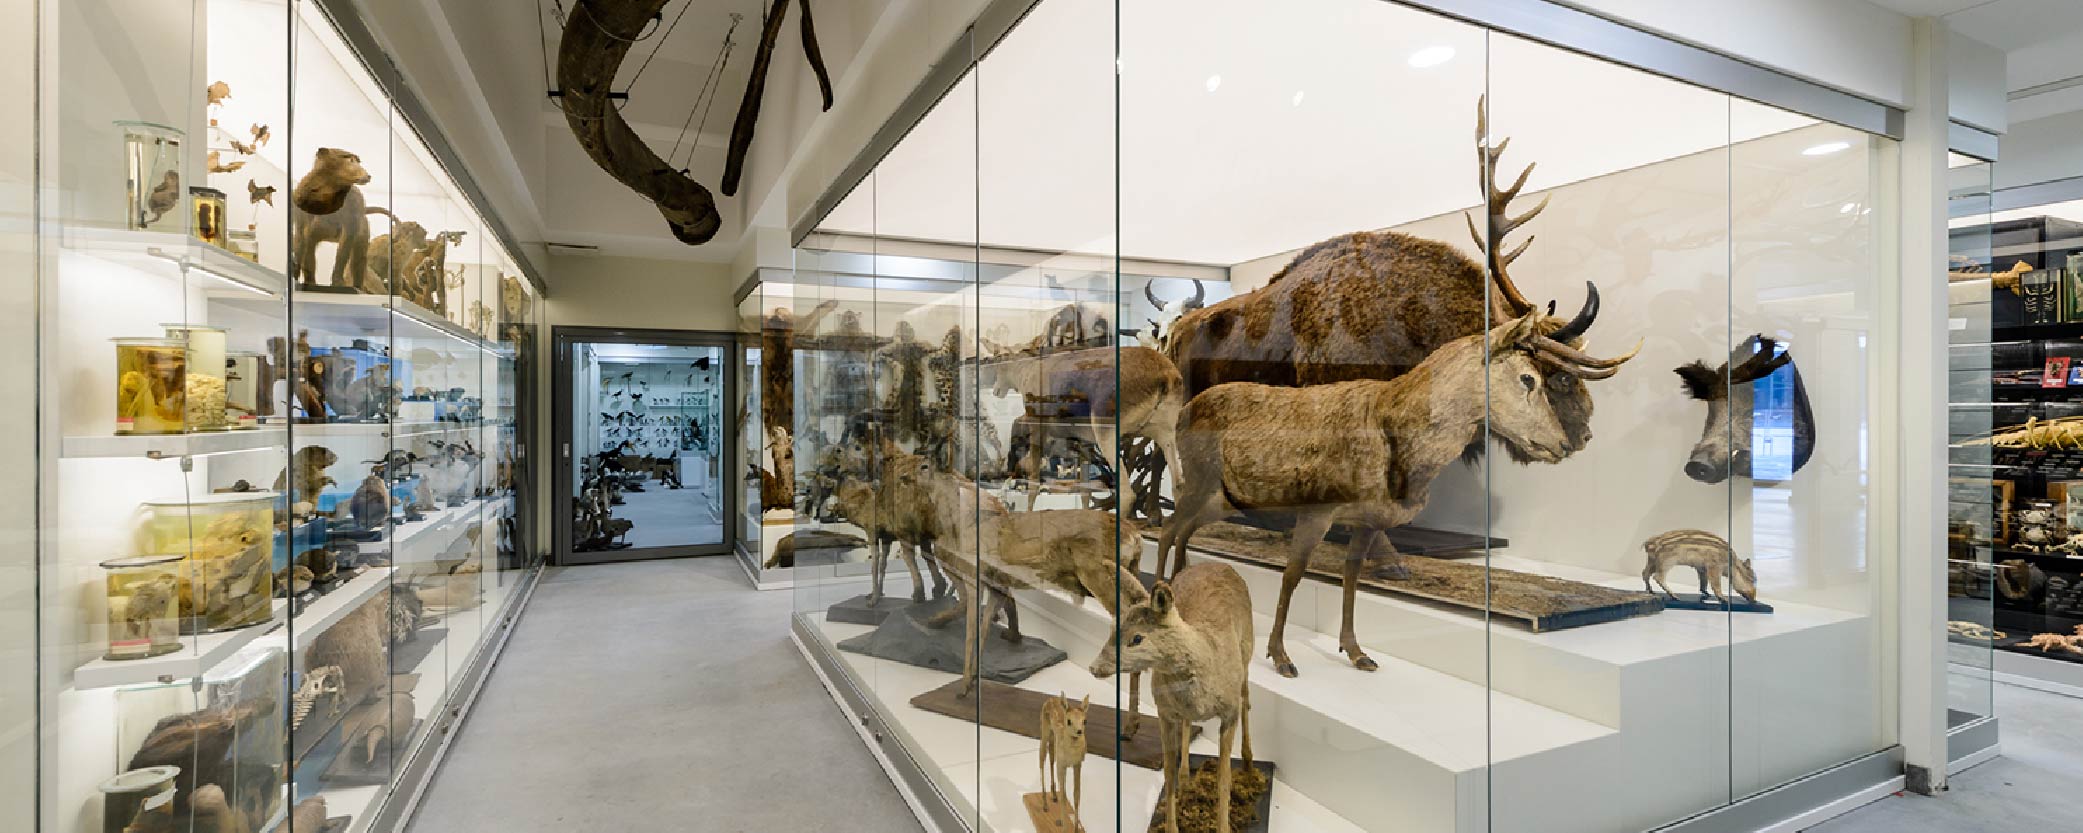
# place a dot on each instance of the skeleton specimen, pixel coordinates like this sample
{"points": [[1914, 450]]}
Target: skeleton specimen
{"points": [[2050, 642], [319, 683]]}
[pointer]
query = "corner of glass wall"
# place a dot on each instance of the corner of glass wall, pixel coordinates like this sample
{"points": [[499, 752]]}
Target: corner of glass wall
{"points": [[1982, 501]]}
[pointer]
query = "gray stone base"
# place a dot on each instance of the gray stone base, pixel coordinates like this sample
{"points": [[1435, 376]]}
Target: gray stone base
{"points": [[904, 638]]}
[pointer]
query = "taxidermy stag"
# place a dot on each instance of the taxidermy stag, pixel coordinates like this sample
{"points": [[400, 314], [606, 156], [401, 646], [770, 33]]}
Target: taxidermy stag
{"points": [[1365, 453], [1125, 392], [1373, 304], [1729, 391], [597, 36]]}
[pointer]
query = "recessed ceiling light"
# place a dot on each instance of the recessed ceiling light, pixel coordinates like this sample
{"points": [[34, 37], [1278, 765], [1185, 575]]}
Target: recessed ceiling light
{"points": [[1214, 83], [1431, 56], [1297, 101], [1827, 148]]}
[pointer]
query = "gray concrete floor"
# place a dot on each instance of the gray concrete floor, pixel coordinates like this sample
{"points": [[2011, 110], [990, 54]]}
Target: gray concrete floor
{"points": [[657, 695], [669, 517], [2032, 787]]}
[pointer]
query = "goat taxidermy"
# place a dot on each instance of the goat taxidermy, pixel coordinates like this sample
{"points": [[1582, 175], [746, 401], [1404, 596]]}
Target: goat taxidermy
{"points": [[597, 37]]}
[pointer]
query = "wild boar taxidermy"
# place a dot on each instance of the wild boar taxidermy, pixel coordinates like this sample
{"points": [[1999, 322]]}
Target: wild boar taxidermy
{"points": [[1724, 449], [1364, 453], [597, 36]]}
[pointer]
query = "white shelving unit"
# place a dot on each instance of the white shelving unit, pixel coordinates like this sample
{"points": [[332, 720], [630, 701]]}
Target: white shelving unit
{"points": [[379, 316], [202, 653], [321, 615], [178, 255], [166, 446]]}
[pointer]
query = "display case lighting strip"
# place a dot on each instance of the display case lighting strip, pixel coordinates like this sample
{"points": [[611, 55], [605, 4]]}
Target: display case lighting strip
{"points": [[235, 282]]}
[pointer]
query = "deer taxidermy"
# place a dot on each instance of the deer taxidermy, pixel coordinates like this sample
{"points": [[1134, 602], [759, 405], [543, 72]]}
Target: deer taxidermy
{"points": [[597, 37]]}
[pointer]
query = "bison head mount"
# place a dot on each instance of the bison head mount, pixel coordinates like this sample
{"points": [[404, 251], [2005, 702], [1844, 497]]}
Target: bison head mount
{"points": [[1724, 449]]}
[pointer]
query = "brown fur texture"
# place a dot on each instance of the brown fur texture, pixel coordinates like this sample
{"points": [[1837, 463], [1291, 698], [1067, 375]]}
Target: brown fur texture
{"points": [[1193, 634], [1724, 449], [1129, 392], [1363, 453], [1707, 554], [360, 644], [329, 208], [390, 252], [1062, 733], [308, 469], [200, 744], [777, 394]]}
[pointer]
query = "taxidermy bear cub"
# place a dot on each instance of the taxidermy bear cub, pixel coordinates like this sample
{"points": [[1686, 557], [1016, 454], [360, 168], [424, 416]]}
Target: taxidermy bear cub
{"points": [[330, 209]]}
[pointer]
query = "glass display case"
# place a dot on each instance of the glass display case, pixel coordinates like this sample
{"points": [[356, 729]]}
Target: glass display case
{"points": [[767, 402], [281, 369], [2018, 283], [1068, 437]]}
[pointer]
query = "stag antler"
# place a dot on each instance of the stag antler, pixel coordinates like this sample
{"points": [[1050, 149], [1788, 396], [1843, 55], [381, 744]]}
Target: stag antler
{"points": [[1496, 204]]}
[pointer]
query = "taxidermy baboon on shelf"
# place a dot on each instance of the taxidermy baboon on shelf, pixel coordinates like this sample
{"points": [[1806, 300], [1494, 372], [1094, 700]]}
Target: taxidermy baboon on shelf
{"points": [[1729, 391], [329, 208], [390, 252]]}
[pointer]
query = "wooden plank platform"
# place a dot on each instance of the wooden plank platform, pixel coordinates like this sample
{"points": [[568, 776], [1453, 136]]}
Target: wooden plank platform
{"points": [[1541, 603], [1051, 816], [1017, 710]]}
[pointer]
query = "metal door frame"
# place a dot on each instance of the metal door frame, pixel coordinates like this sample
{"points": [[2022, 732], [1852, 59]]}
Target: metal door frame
{"points": [[563, 338]]}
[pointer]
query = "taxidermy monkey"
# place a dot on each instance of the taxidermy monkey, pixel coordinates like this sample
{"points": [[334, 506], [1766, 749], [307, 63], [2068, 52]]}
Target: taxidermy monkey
{"points": [[330, 209], [389, 255]]}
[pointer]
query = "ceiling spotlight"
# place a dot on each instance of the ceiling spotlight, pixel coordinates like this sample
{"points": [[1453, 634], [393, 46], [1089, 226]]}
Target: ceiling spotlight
{"points": [[1827, 148], [1214, 83], [1297, 100], [1431, 56]]}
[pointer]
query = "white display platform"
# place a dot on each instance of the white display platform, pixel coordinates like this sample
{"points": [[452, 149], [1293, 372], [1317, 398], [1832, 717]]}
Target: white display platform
{"points": [[1617, 726]]}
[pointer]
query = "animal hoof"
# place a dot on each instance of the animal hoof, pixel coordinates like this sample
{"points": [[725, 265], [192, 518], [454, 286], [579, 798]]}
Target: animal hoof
{"points": [[1011, 637], [1390, 572], [918, 597], [1365, 663], [1286, 669]]}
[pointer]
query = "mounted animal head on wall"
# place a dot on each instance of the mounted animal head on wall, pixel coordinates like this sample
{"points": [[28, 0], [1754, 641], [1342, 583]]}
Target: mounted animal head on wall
{"points": [[1726, 447]]}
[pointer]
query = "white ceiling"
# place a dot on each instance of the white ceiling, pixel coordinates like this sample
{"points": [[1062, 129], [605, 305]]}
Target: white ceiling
{"points": [[1247, 129], [2042, 38]]}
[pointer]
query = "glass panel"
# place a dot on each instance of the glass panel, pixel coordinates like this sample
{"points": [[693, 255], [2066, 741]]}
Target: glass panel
{"points": [[1812, 684], [19, 678], [1634, 686], [1984, 503], [648, 417]]}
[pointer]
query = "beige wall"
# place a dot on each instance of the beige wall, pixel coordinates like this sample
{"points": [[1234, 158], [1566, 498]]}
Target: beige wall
{"points": [[601, 291], [18, 677]]}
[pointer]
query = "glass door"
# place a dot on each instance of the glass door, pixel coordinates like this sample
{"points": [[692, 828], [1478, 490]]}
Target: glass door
{"points": [[641, 440]]}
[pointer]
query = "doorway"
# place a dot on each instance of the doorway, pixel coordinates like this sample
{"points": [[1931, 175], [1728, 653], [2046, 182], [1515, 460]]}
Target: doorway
{"points": [[641, 431]]}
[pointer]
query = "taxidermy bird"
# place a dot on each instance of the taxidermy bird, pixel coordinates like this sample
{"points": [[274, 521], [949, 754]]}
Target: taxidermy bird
{"points": [[261, 134], [219, 167], [242, 148], [218, 93], [701, 363], [260, 194], [164, 196]]}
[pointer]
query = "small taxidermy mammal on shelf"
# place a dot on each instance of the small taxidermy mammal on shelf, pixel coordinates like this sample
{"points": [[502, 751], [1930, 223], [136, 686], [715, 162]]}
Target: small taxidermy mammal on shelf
{"points": [[1707, 554], [1063, 749]]}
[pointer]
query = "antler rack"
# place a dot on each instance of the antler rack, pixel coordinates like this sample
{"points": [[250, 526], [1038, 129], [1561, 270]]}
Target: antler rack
{"points": [[1496, 205]]}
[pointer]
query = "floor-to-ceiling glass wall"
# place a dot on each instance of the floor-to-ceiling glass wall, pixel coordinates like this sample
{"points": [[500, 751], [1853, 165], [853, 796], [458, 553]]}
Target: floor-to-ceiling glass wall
{"points": [[1498, 497]]}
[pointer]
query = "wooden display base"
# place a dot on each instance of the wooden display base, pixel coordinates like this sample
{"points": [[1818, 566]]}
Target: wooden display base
{"points": [[1051, 816], [1197, 802], [1696, 601], [1017, 710], [1541, 603]]}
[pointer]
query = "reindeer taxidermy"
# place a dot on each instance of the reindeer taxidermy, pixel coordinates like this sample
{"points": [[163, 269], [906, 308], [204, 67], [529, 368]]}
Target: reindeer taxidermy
{"points": [[597, 37]]}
